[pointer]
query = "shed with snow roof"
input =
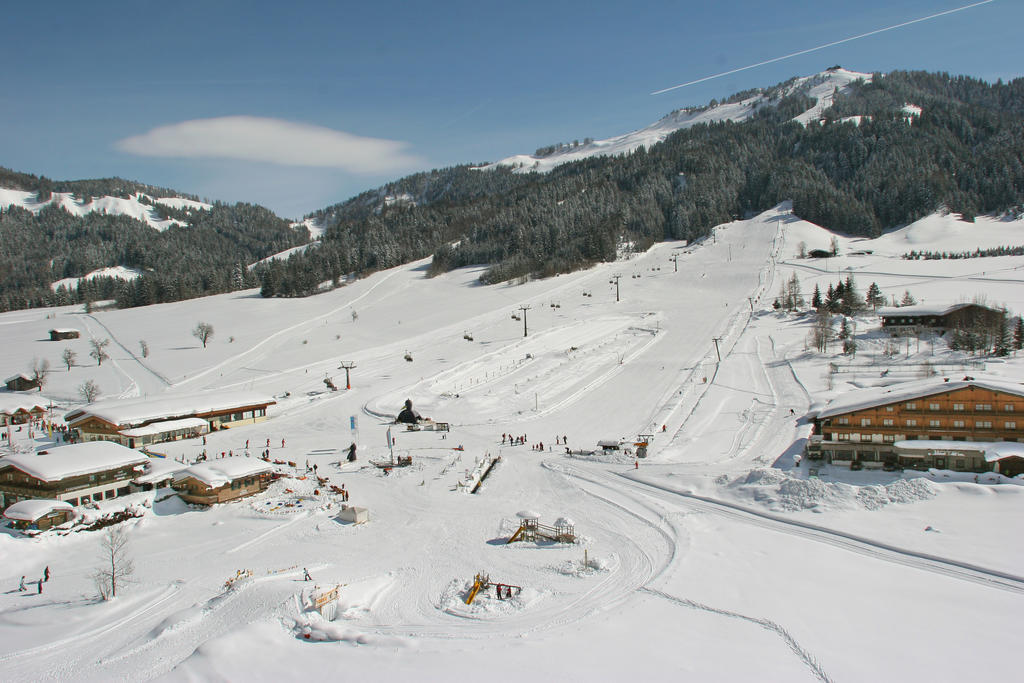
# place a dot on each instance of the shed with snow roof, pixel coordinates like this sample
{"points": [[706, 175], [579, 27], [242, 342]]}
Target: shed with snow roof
{"points": [[58, 334], [222, 480], [76, 474], [21, 382], [39, 514], [353, 514]]}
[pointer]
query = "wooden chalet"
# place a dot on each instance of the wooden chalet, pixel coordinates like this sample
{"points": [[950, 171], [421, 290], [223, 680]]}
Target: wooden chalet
{"points": [[139, 422], [76, 474], [971, 425], [907, 320], [38, 514], [223, 480], [64, 333], [21, 382], [19, 409]]}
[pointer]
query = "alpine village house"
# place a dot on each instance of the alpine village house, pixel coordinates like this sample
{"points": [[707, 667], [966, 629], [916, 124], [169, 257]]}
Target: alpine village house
{"points": [[969, 425]]}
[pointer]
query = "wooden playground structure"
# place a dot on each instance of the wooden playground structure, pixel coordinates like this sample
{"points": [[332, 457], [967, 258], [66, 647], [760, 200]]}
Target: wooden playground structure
{"points": [[502, 591], [530, 529]]}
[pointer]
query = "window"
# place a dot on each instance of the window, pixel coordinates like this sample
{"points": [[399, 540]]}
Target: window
{"points": [[958, 406], [236, 417], [958, 423], [889, 409], [843, 421], [911, 423], [865, 422], [982, 406], [934, 406], [888, 438], [110, 493], [1010, 425], [843, 437], [983, 424], [1007, 407], [934, 423], [888, 422], [911, 406]]}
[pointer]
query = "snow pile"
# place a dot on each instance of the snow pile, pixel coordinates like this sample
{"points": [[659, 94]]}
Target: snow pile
{"points": [[899, 491], [780, 492]]}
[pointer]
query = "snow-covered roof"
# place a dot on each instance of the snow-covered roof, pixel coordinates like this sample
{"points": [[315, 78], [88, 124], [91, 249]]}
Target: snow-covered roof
{"points": [[160, 469], [167, 426], [12, 403], [992, 451], [138, 411], [31, 510], [224, 471], [878, 396], [63, 330], [75, 460], [527, 514], [20, 375], [564, 521], [924, 309]]}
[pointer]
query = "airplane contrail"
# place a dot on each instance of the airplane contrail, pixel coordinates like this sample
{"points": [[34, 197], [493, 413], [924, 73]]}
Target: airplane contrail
{"points": [[822, 47]]}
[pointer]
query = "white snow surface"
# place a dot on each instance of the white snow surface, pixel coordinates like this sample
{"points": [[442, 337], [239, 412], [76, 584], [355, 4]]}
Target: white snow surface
{"points": [[12, 401], [75, 460], [718, 540], [821, 86], [106, 205], [120, 272]]}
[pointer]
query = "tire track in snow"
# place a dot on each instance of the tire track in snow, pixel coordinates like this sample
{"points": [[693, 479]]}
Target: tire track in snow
{"points": [[806, 657]]}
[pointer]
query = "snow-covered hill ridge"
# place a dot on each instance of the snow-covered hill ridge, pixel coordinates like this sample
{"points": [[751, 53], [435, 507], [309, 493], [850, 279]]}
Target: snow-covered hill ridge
{"points": [[821, 87], [133, 207]]}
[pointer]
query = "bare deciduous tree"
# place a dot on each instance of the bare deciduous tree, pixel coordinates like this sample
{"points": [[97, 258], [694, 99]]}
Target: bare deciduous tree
{"points": [[68, 356], [39, 369], [203, 332], [98, 353], [144, 348], [117, 567], [89, 390]]}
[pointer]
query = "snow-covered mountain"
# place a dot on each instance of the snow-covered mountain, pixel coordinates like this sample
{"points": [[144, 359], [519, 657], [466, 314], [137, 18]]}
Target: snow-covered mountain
{"points": [[821, 87], [133, 207]]}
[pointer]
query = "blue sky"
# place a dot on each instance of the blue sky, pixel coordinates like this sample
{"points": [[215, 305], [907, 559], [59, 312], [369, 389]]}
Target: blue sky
{"points": [[211, 97]]}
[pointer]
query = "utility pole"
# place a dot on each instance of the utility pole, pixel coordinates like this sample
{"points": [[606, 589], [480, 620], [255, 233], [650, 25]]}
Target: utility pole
{"points": [[524, 309], [615, 281], [750, 300], [717, 352], [347, 365], [674, 258]]}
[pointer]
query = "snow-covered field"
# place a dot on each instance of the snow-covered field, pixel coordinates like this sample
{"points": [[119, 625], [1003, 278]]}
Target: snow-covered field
{"points": [[716, 558]]}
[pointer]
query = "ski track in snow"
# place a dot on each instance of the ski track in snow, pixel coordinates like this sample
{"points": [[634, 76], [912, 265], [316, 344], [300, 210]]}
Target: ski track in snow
{"points": [[767, 624]]}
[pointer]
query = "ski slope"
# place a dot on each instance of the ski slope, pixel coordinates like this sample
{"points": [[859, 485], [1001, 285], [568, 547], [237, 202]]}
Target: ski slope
{"points": [[714, 558]]}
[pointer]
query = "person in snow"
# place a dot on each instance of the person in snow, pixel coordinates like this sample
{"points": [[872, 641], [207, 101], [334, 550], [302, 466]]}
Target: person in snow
{"points": [[636, 464], [46, 574], [39, 587], [352, 452], [21, 586], [305, 575]]}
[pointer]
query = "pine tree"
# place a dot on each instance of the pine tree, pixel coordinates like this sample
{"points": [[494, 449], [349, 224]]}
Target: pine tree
{"points": [[1018, 334], [875, 298], [907, 300], [816, 298]]}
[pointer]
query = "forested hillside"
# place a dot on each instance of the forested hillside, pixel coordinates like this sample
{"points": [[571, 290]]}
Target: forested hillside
{"points": [[206, 257], [873, 163]]}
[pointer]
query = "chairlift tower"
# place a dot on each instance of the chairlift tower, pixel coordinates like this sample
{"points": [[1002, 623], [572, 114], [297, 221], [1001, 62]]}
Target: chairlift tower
{"points": [[615, 281], [347, 366], [524, 309]]}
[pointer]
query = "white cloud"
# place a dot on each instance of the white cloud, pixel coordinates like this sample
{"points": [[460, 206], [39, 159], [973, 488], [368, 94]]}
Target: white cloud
{"points": [[252, 138]]}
